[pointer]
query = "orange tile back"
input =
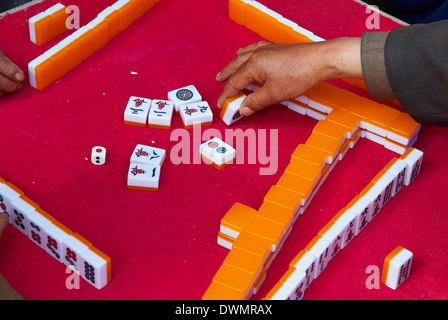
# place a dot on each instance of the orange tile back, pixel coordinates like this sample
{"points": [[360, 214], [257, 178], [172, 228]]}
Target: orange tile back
{"points": [[266, 228], [382, 116], [323, 93], [343, 99], [238, 217], [403, 128], [304, 169], [277, 212], [310, 154], [217, 291], [346, 119], [296, 184], [325, 143], [331, 129], [236, 11]]}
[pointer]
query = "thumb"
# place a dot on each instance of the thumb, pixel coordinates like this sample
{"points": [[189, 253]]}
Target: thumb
{"points": [[4, 220], [256, 101]]}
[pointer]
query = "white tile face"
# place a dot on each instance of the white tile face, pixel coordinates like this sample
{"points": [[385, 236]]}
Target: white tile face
{"points": [[72, 249], [188, 94], [307, 264], [144, 176], [218, 151], [349, 221], [94, 269], [53, 240], [98, 155], [334, 235], [414, 163], [7, 194], [148, 155], [399, 269], [232, 113], [376, 195], [362, 209], [37, 224], [136, 112], [161, 113], [321, 250], [398, 169], [20, 211], [388, 182], [297, 281], [194, 113]]}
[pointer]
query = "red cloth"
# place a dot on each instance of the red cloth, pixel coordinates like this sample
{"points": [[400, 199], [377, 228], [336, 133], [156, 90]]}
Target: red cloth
{"points": [[163, 244]]}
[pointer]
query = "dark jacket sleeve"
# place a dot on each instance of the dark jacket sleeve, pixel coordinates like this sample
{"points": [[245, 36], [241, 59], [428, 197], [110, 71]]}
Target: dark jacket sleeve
{"points": [[410, 64]]}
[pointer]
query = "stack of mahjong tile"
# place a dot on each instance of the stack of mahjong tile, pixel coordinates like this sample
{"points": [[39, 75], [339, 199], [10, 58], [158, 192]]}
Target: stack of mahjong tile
{"points": [[268, 23], [187, 101], [145, 167], [48, 24], [346, 225], [396, 130], [262, 232], [77, 47], [56, 239]]}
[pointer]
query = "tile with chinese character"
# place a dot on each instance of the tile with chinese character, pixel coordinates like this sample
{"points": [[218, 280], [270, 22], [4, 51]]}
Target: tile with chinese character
{"points": [[148, 154], [160, 114], [142, 176], [136, 112], [196, 113]]}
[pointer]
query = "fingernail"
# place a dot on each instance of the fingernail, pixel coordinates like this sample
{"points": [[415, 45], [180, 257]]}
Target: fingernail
{"points": [[218, 75], [245, 111], [19, 76], [239, 50]]}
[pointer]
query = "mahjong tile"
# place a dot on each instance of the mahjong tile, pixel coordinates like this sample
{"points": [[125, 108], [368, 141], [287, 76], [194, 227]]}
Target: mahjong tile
{"points": [[72, 249], [160, 114], [37, 222], [188, 94], [142, 176], [95, 267], [21, 209], [148, 154], [196, 113], [136, 112]]}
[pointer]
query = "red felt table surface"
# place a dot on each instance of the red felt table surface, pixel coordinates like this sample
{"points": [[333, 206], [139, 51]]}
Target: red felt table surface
{"points": [[163, 245]]}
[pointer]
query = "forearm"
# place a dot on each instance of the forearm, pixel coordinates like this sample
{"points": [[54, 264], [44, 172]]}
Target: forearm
{"points": [[6, 292], [341, 59]]}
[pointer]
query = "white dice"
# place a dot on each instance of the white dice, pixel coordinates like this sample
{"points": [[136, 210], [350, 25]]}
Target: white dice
{"points": [[98, 156]]}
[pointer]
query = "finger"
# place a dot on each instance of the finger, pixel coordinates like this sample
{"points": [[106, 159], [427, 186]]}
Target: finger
{"points": [[240, 80], [9, 69], [257, 100], [4, 220], [253, 46], [8, 85], [233, 66]]}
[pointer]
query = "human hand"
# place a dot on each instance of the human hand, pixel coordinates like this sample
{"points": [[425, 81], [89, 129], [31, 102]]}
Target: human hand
{"points": [[287, 71], [11, 75], [4, 220]]}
